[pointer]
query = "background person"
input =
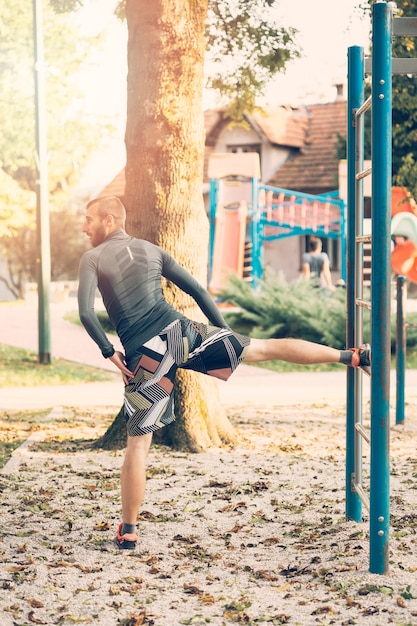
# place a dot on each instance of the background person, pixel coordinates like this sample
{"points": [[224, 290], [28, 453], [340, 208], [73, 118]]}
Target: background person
{"points": [[316, 265]]}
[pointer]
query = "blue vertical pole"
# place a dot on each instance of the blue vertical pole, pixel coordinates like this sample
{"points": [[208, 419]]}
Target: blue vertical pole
{"points": [[256, 235], [343, 240], [400, 351], [214, 191], [355, 100], [381, 283]]}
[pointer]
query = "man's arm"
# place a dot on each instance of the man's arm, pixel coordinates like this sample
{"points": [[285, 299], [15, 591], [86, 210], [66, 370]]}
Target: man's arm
{"points": [[119, 359], [305, 268], [86, 296], [185, 281], [326, 275]]}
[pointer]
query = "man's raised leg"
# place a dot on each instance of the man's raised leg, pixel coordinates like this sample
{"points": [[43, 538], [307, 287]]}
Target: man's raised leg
{"points": [[305, 353]]}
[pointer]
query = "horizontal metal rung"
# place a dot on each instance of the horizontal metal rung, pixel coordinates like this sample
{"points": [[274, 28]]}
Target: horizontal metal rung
{"points": [[364, 498], [404, 26], [363, 239], [364, 433], [364, 173], [365, 304], [399, 66], [365, 106]]}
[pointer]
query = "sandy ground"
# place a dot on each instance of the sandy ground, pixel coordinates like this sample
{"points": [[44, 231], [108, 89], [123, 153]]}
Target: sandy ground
{"points": [[251, 535]]}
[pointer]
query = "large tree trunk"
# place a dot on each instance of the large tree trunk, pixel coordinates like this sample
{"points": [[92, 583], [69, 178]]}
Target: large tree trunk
{"points": [[165, 155]]}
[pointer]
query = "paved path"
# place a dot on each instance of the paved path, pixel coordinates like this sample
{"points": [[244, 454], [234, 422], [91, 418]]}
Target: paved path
{"points": [[247, 386]]}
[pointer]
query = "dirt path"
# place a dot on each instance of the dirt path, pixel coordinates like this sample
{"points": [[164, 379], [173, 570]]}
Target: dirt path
{"points": [[253, 535]]}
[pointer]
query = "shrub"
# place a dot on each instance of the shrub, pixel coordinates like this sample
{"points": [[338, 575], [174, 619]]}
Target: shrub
{"points": [[276, 308]]}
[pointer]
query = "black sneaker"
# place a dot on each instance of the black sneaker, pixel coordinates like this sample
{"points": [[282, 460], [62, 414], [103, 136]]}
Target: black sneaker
{"points": [[126, 541]]}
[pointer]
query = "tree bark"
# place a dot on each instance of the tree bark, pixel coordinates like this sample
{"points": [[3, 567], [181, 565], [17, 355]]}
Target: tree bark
{"points": [[115, 436], [164, 176]]}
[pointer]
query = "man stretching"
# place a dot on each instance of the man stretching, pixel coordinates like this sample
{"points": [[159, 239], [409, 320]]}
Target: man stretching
{"points": [[157, 339]]}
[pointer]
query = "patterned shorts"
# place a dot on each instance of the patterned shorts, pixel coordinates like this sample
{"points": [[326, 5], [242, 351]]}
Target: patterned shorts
{"points": [[148, 398]]}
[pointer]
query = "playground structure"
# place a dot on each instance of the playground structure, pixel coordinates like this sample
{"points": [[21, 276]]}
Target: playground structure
{"points": [[265, 212], [404, 234], [244, 214], [384, 225]]}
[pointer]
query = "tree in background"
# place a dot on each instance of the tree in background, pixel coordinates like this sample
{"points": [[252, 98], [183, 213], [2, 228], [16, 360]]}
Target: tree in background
{"points": [[165, 142], [404, 109], [71, 136], [18, 239], [16, 233], [165, 156], [245, 49]]}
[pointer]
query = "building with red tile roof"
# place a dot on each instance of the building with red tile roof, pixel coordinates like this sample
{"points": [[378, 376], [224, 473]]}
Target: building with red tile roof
{"points": [[298, 151]]}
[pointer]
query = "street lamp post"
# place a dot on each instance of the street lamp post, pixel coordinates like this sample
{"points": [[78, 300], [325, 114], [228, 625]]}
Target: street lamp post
{"points": [[43, 253]]}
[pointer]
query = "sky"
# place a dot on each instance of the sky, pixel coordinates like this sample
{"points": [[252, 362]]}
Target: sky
{"points": [[326, 29], [103, 82]]}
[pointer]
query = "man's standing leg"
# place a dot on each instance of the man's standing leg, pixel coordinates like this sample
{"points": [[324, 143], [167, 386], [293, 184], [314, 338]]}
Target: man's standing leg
{"points": [[133, 481]]}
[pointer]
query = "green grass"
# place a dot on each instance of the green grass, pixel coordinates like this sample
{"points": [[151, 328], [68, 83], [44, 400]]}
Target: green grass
{"points": [[20, 368], [102, 317], [6, 449], [15, 428], [279, 366]]}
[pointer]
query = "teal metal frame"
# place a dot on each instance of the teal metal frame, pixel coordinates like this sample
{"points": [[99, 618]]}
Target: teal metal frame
{"points": [[381, 104], [400, 350], [355, 161], [381, 285]]}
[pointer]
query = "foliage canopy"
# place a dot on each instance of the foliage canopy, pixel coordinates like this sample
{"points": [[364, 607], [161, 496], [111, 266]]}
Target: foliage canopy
{"points": [[404, 109], [71, 137], [247, 48]]}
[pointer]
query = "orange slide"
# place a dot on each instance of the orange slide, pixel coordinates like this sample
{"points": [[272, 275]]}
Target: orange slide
{"points": [[404, 254], [229, 245], [236, 173]]}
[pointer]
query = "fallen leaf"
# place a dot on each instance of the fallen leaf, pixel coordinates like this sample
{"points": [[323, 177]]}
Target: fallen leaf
{"points": [[102, 526], [285, 587], [206, 599], [265, 575], [234, 507], [35, 604], [192, 589], [190, 539], [324, 609], [35, 620]]}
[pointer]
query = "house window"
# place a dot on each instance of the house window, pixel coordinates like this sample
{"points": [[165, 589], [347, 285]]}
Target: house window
{"points": [[256, 147], [332, 247]]}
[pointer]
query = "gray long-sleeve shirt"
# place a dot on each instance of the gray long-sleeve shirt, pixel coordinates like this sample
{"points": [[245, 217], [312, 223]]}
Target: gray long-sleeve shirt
{"points": [[127, 272]]}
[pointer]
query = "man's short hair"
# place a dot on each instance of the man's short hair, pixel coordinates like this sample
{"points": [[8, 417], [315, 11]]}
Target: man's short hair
{"points": [[109, 205], [314, 243]]}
